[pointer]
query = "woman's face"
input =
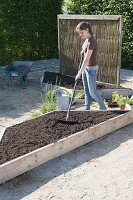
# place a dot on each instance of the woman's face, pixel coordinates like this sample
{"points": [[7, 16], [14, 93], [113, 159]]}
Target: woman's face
{"points": [[83, 33]]}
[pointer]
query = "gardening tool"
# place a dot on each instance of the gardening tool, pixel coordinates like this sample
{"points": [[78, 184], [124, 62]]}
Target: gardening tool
{"points": [[2, 130], [70, 104]]}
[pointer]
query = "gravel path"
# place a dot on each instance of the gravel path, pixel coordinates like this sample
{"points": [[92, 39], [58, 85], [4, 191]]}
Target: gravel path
{"points": [[126, 75], [101, 170]]}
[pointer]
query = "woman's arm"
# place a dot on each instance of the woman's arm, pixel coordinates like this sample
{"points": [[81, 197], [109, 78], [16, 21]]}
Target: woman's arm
{"points": [[85, 63]]}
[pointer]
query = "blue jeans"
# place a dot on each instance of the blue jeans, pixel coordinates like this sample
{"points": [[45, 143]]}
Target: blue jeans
{"points": [[89, 83]]}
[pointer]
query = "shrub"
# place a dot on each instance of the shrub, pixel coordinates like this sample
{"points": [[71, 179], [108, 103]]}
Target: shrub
{"points": [[112, 7], [28, 29]]}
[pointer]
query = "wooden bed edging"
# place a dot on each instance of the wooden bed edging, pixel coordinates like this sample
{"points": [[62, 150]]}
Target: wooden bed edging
{"points": [[106, 93], [35, 158]]}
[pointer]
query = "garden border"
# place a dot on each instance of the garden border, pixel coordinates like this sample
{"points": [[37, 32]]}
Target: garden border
{"points": [[35, 158]]}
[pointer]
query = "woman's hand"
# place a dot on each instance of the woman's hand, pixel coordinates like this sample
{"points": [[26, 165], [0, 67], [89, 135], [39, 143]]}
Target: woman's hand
{"points": [[77, 77], [82, 53]]}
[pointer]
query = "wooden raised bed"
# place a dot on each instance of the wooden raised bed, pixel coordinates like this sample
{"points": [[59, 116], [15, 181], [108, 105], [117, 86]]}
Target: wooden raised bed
{"points": [[97, 123], [67, 82], [106, 92]]}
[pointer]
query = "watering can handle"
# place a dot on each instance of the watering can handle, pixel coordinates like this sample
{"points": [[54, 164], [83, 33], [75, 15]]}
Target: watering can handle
{"points": [[59, 90]]}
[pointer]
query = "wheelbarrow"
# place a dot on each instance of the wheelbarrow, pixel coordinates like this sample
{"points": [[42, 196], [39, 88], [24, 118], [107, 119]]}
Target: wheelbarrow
{"points": [[17, 69]]}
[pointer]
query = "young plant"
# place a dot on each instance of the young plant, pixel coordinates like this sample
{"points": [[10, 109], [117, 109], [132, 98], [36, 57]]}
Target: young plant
{"points": [[122, 100], [115, 96], [130, 101], [49, 103], [36, 114], [48, 107], [48, 100], [79, 95]]}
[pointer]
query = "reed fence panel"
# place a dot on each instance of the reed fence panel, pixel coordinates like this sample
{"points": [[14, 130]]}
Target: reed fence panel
{"points": [[108, 31]]}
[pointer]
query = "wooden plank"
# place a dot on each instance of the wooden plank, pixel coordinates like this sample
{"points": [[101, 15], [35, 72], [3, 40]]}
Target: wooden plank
{"points": [[106, 93], [119, 51], [59, 44], [90, 17], [35, 158]]}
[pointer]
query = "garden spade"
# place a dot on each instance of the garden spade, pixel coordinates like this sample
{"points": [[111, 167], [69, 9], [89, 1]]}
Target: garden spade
{"points": [[2, 130], [67, 121], [68, 112]]}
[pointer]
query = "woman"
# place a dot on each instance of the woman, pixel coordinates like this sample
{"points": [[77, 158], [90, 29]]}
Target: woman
{"points": [[89, 66]]}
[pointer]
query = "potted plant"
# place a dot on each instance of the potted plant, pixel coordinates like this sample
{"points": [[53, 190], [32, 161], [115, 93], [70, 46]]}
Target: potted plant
{"points": [[130, 102], [113, 101], [118, 100], [122, 101], [115, 96]]}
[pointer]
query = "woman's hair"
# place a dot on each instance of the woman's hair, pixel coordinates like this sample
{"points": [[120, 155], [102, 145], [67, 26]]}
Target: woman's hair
{"points": [[84, 26]]}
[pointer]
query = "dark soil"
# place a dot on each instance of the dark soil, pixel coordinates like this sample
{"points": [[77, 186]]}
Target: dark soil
{"points": [[112, 104], [68, 81], [33, 134], [101, 86]]}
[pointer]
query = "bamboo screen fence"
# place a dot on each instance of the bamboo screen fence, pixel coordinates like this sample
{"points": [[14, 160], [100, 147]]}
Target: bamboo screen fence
{"points": [[108, 31]]}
